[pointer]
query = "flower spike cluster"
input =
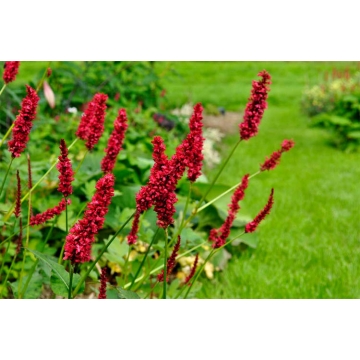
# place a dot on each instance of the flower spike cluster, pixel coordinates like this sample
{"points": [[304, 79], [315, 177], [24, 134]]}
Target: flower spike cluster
{"points": [[82, 235], [219, 236], [91, 125], [274, 160], [115, 142], [165, 174], [11, 69], [103, 279], [50, 213], [66, 176], [255, 107], [23, 123], [170, 262], [192, 271], [17, 210], [251, 226]]}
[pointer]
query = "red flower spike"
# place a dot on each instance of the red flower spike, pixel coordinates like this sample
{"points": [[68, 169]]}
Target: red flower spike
{"points": [[17, 210], [170, 264], [91, 125], [219, 236], [66, 176], [48, 72], [115, 142], [274, 160], [103, 280], [23, 123], [134, 229], [192, 271], [19, 238], [82, 235], [255, 107], [50, 213], [11, 69], [251, 226]]}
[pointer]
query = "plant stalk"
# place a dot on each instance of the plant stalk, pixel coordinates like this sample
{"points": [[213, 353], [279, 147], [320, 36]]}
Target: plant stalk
{"points": [[6, 175], [165, 264]]}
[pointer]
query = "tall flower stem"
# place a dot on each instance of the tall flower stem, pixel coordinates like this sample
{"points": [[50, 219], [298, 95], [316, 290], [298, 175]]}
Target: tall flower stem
{"points": [[7, 275], [43, 78], [5, 177], [212, 252], [6, 217], [66, 231], [2, 89], [37, 260], [6, 251], [165, 264], [143, 260], [84, 277], [71, 279], [7, 133]]}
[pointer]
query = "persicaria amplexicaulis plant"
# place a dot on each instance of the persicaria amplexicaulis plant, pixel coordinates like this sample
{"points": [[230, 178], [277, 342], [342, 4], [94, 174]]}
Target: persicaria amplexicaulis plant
{"points": [[79, 256]]}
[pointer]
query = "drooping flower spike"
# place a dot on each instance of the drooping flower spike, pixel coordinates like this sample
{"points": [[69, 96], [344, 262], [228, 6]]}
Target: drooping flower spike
{"points": [[23, 123], [115, 142], [219, 236], [50, 213], [251, 226], [82, 235], [255, 107], [11, 69], [192, 271], [66, 176], [170, 262], [91, 125], [274, 160]]}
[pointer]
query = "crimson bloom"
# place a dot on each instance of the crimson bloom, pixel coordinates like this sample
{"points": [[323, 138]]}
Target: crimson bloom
{"points": [[91, 125], [23, 123], [11, 69], [255, 107], [82, 235], [274, 160], [251, 226], [115, 142], [219, 236], [192, 271], [170, 264], [50, 213], [66, 176], [165, 174], [103, 279]]}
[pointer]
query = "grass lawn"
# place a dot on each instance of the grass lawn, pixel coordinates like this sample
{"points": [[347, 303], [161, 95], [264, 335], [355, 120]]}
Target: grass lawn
{"points": [[309, 246]]}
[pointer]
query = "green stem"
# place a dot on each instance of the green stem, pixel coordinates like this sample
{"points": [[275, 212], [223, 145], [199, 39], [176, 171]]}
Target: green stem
{"points": [[37, 260], [6, 175], [66, 231], [126, 262], [2, 89], [71, 279], [7, 133], [81, 161], [7, 275], [6, 217], [83, 278], [43, 78], [224, 193], [143, 260], [165, 264]]}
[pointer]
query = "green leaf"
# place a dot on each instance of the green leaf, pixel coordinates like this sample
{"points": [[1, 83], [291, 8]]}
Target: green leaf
{"points": [[354, 135], [59, 288], [34, 288], [338, 120], [126, 294]]}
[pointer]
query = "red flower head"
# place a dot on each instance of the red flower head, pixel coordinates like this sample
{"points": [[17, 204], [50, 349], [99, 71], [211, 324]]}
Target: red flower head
{"points": [[103, 279], [192, 271], [170, 262], [11, 69], [50, 213], [66, 176], [115, 142], [274, 160], [219, 236], [82, 234], [23, 123], [91, 125], [255, 107], [251, 226], [17, 210]]}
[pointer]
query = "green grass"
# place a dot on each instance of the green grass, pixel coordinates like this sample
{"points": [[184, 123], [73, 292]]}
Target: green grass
{"points": [[309, 246]]}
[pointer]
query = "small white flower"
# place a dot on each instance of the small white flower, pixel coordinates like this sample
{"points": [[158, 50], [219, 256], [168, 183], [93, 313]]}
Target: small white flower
{"points": [[72, 110]]}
